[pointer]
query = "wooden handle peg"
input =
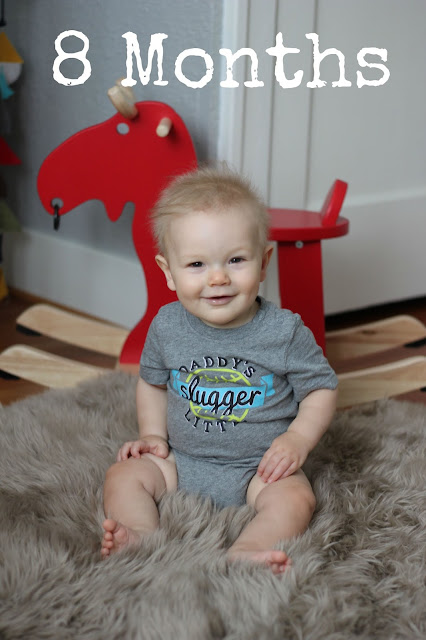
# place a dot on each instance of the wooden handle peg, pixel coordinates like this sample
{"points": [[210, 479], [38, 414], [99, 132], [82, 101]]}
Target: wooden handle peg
{"points": [[164, 127], [123, 100]]}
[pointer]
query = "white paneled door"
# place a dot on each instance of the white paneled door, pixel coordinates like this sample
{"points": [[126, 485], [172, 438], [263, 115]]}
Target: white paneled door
{"points": [[294, 140]]}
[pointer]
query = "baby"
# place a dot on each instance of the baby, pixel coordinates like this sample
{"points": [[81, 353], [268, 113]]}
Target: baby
{"points": [[233, 392]]}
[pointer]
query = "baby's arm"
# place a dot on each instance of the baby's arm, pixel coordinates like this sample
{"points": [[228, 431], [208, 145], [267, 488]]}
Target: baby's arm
{"points": [[289, 451], [151, 405]]}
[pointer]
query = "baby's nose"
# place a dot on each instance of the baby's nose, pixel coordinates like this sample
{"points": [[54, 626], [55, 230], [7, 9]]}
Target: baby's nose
{"points": [[218, 276]]}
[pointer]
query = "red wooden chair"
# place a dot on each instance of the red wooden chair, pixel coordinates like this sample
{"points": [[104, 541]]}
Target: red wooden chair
{"points": [[298, 234]]}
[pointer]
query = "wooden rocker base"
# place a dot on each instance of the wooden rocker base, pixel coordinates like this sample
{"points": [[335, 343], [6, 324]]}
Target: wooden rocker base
{"points": [[44, 368], [366, 385], [374, 337], [376, 383], [365, 339], [355, 387], [74, 329]]}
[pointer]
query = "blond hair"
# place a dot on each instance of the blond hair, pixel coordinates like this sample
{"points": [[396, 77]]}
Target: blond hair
{"points": [[209, 190]]}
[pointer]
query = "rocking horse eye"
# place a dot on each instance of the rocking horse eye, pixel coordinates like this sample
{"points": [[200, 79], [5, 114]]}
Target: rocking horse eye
{"points": [[123, 128], [57, 204]]}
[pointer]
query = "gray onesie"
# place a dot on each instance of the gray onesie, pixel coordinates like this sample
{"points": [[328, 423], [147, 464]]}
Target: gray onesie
{"points": [[230, 391]]}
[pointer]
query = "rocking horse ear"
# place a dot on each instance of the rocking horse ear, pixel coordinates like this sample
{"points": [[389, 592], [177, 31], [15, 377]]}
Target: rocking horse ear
{"points": [[164, 127], [164, 266], [123, 100]]}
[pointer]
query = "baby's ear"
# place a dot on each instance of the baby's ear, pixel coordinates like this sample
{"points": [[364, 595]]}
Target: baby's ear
{"points": [[164, 266], [265, 261]]}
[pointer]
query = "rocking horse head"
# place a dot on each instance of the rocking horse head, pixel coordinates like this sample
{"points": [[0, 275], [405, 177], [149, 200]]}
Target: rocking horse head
{"points": [[118, 161]]}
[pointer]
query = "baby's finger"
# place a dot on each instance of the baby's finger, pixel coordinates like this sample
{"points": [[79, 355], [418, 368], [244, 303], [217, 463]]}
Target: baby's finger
{"points": [[135, 449], [271, 465], [123, 452], [161, 450], [267, 457], [281, 470], [292, 468], [262, 464]]}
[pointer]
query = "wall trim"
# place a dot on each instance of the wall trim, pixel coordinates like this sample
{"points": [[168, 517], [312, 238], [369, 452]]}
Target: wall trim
{"points": [[231, 102]]}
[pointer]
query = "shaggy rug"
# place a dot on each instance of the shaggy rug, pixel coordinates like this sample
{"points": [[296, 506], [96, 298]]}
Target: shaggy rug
{"points": [[358, 572]]}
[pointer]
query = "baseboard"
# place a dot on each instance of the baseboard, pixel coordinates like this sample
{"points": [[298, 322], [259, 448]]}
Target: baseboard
{"points": [[79, 277]]}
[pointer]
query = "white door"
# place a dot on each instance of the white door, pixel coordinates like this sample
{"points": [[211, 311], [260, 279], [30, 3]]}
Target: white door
{"points": [[294, 142]]}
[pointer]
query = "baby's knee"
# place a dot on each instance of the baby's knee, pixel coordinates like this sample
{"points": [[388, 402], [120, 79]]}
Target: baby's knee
{"points": [[123, 469], [289, 495], [306, 498], [302, 497], [139, 473]]}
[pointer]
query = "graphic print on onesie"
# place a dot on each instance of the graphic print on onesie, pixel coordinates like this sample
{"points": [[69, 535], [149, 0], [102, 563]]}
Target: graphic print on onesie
{"points": [[218, 392]]}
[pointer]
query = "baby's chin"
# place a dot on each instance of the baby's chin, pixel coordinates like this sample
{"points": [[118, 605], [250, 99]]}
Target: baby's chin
{"points": [[227, 321]]}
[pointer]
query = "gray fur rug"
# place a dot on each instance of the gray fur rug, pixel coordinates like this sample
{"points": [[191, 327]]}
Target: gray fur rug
{"points": [[358, 572]]}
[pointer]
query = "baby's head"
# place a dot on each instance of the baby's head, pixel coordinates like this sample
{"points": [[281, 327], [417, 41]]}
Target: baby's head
{"points": [[211, 229], [211, 191]]}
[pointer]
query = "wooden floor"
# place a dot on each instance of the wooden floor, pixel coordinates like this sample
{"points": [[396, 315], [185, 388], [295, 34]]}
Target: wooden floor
{"points": [[13, 389]]}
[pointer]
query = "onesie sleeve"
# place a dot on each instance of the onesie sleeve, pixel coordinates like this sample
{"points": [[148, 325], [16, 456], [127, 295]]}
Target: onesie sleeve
{"points": [[152, 368], [307, 367]]}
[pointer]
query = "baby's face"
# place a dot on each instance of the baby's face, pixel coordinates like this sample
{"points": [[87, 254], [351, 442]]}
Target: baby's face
{"points": [[215, 264]]}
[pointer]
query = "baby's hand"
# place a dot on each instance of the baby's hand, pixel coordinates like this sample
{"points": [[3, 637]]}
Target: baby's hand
{"points": [[286, 455], [151, 444]]}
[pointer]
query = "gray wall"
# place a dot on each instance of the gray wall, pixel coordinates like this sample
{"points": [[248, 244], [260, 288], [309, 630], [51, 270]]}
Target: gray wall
{"points": [[45, 113]]}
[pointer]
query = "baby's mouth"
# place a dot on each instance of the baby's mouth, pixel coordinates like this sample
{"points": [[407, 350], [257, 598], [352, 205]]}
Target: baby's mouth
{"points": [[218, 300]]}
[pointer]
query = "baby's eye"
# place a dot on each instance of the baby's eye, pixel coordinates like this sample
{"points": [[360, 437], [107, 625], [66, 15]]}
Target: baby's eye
{"points": [[196, 264], [236, 260]]}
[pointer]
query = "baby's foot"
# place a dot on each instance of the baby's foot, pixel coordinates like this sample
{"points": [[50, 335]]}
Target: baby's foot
{"points": [[117, 537], [278, 561]]}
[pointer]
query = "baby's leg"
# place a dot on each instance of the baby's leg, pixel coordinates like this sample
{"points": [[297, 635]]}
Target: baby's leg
{"points": [[132, 491], [284, 510]]}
